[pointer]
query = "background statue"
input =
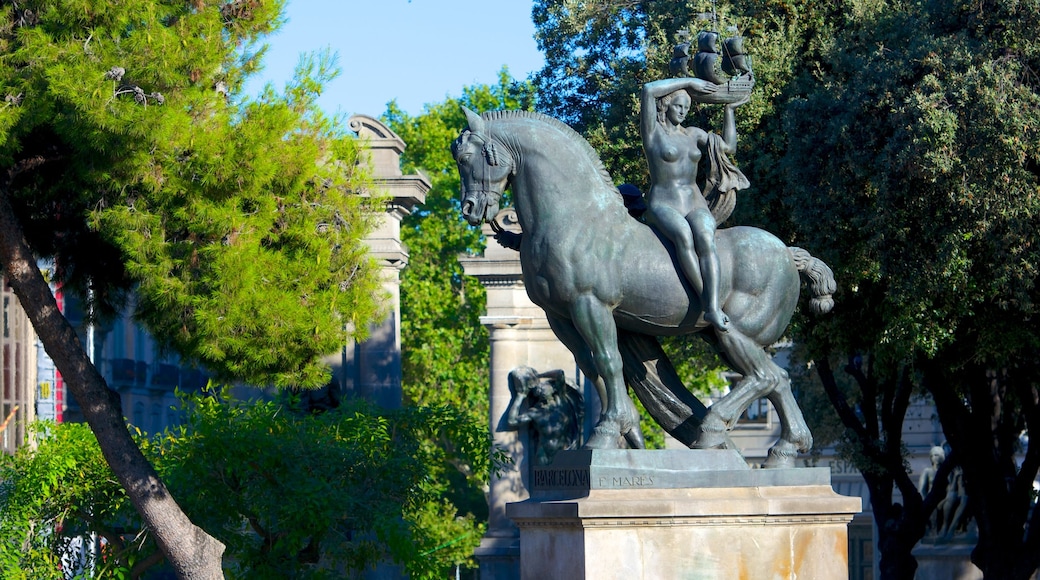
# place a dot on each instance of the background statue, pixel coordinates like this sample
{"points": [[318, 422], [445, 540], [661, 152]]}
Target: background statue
{"points": [[953, 505], [927, 480], [554, 411], [609, 283]]}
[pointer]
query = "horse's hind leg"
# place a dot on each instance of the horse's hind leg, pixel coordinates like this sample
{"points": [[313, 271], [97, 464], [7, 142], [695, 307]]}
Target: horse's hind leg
{"points": [[762, 378], [747, 358], [795, 436]]}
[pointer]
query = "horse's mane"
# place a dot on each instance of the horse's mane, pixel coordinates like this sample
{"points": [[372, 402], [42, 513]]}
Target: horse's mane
{"points": [[564, 128]]}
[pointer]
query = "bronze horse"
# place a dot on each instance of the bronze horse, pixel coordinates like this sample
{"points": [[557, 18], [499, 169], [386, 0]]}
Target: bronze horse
{"points": [[608, 284]]}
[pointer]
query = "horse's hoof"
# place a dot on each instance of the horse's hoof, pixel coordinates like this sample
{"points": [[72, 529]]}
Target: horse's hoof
{"points": [[604, 436], [781, 456], [634, 438], [711, 440], [714, 434]]}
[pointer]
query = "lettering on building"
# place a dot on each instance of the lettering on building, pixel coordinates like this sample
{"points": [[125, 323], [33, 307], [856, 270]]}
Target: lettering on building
{"points": [[841, 467]]}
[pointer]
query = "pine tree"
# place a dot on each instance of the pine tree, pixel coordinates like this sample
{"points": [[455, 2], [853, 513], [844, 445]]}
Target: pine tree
{"points": [[132, 161]]}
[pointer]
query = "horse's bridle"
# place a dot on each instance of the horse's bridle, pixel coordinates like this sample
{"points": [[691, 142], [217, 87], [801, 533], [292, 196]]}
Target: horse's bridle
{"points": [[476, 202]]}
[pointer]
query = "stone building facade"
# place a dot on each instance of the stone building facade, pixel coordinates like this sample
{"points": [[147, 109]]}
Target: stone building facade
{"points": [[18, 355]]}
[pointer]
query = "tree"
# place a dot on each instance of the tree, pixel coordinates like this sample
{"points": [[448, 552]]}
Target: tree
{"points": [[912, 168], [130, 161]]}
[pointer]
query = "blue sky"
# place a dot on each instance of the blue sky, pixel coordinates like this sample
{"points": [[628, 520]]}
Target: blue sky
{"points": [[417, 52]]}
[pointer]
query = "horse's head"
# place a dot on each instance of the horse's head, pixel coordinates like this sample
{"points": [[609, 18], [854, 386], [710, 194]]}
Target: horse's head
{"points": [[484, 168]]}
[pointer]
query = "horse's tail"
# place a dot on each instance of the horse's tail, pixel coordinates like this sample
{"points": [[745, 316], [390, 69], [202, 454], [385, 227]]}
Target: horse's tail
{"points": [[653, 379], [821, 279]]}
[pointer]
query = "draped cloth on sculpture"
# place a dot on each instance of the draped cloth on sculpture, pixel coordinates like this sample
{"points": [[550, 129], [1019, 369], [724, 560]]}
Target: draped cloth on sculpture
{"points": [[723, 180]]}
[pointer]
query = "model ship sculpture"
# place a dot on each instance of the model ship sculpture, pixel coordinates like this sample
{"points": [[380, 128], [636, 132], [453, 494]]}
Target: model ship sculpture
{"points": [[730, 67]]}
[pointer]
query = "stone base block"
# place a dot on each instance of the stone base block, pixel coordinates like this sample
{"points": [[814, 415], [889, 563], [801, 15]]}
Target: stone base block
{"points": [[499, 558], [951, 561], [744, 531]]}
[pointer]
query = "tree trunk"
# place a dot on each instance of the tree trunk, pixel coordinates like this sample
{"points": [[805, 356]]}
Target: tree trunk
{"points": [[897, 559], [192, 553], [999, 492], [900, 526]]}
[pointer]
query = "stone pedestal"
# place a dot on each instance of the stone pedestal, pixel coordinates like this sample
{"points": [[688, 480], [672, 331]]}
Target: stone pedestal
{"points": [[952, 560], [657, 515]]}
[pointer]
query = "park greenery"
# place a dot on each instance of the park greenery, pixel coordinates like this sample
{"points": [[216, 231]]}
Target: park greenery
{"points": [[898, 141], [291, 494], [132, 161]]}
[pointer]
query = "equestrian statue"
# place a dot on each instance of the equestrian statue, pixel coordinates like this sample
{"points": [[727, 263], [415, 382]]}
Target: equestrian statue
{"points": [[610, 284]]}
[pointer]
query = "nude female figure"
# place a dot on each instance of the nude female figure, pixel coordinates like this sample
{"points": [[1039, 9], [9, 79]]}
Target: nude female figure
{"points": [[675, 204]]}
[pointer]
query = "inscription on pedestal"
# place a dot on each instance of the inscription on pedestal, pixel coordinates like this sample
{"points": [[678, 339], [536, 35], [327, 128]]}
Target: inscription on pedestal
{"points": [[561, 478], [545, 478], [623, 482], [575, 473]]}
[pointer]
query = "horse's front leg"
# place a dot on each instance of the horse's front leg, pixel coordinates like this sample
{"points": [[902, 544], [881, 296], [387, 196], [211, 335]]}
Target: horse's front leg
{"points": [[594, 322], [592, 337]]}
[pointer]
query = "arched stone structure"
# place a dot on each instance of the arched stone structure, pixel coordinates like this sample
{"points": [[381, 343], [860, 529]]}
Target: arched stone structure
{"points": [[372, 369]]}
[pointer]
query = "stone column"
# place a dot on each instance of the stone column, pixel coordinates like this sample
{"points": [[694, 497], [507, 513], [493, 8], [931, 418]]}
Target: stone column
{"points": [[520, 336], [372, 369]]}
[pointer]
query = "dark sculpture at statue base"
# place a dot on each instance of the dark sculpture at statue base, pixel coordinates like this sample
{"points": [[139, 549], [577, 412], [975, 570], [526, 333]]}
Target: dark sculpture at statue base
{"points": [[554, 411]]}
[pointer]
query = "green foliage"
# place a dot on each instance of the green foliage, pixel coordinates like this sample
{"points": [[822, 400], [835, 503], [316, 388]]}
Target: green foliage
{"points": [[51, 495], [696, 363], [135, 163], [291, 495], [296, 495], [930, 178]]}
